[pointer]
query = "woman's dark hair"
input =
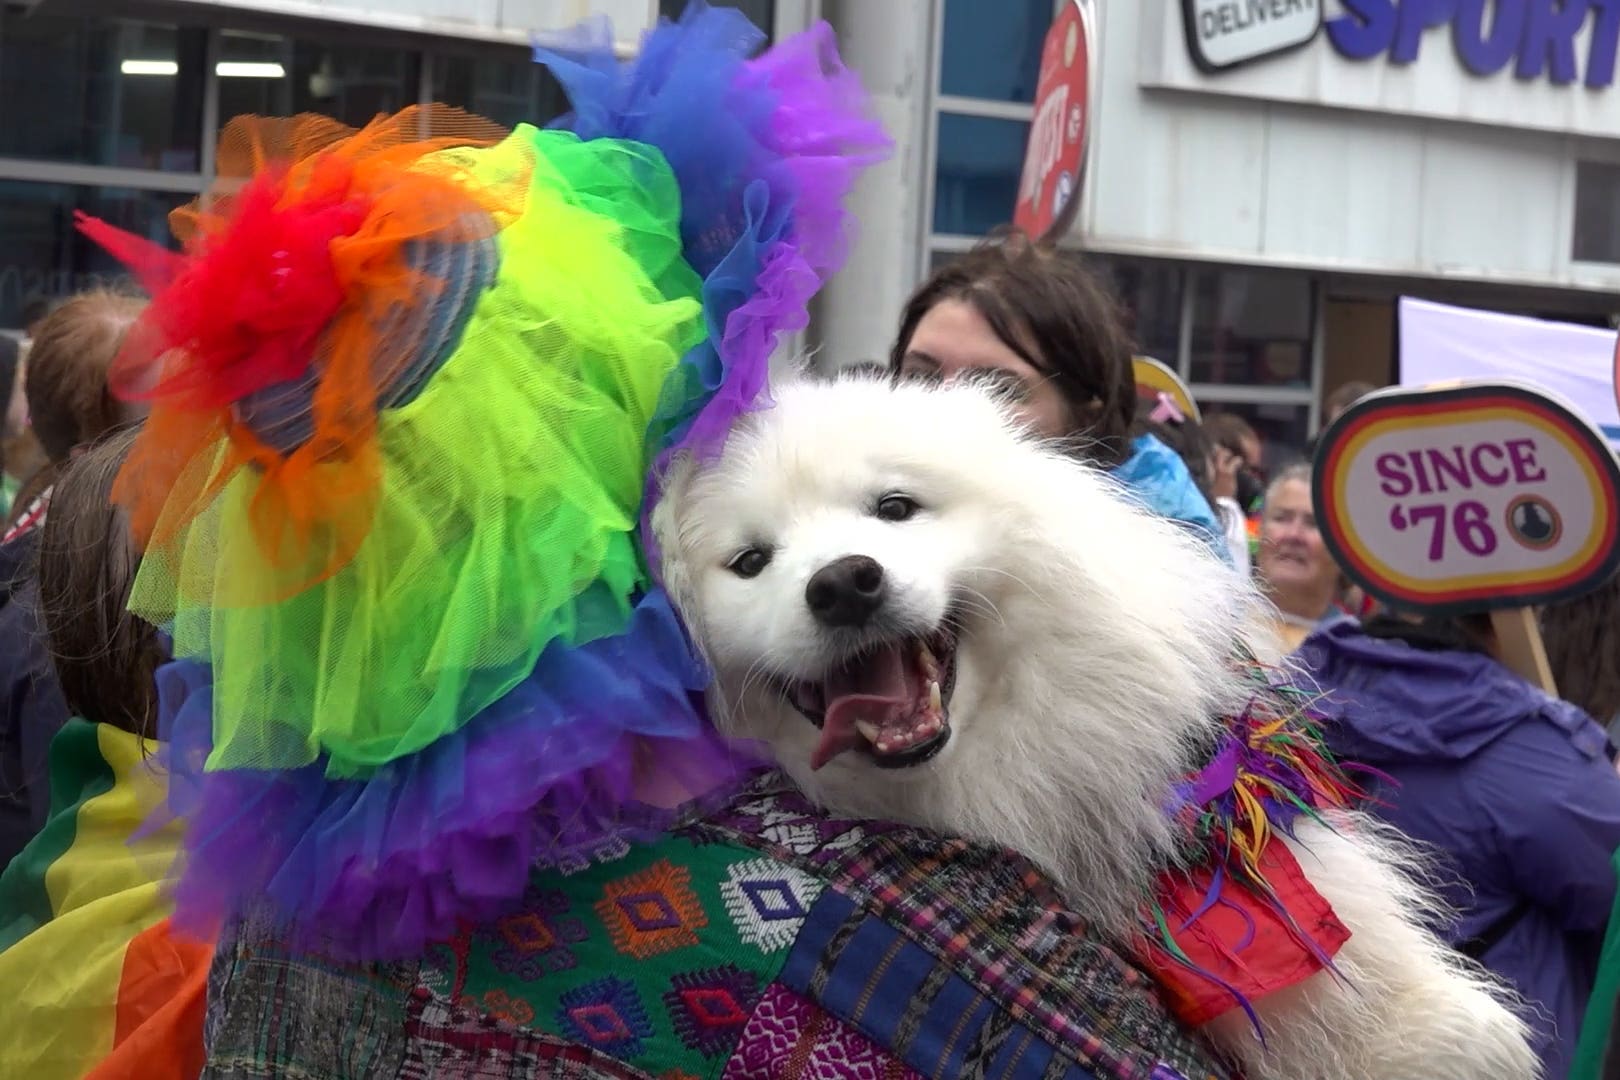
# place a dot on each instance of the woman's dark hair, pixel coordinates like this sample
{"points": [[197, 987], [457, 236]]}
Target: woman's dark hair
{"points": [[1058, 317], [104, 656], [1582, 637], [1434, 633]]}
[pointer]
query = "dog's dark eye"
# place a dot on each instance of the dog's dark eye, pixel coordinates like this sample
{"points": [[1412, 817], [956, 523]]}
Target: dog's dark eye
{"points": [[749, 563], [897, 508]]}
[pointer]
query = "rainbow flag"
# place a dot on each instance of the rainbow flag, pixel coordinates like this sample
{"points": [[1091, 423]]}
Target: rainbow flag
{"points": [[95, 983]]}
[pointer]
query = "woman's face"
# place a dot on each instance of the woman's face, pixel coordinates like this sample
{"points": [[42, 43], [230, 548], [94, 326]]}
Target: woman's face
{"points": [[1292, 555], [953, 339]]}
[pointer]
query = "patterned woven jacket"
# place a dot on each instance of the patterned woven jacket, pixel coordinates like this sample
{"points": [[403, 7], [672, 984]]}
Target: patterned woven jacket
{"points": [[764, 941]]}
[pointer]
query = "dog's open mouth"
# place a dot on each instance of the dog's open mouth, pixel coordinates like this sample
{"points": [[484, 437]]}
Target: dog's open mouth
{"points": [[890, 702]]}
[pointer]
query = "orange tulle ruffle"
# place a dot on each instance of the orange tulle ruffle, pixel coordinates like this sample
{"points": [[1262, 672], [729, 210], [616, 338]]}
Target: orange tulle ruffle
{"points": [[291, 267]]}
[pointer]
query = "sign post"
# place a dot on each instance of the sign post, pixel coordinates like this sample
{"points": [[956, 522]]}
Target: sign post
{"points": [[1055, 159], [1471, 497]]}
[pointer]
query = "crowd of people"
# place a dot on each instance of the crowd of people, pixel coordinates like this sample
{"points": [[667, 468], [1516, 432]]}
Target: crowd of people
{"points": [[1515, 791]]}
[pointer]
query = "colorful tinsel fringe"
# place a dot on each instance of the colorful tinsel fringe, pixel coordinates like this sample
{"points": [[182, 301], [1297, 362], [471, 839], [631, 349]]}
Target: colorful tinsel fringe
{"points": [[1239, 920]]}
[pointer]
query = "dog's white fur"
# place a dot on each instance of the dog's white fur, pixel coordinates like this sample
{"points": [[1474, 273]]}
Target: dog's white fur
{"points": [[1094, 655]]}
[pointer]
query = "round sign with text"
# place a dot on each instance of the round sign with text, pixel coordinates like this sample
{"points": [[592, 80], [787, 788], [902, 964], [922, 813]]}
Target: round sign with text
{"points": [[1469, 497], [1054, 156]]}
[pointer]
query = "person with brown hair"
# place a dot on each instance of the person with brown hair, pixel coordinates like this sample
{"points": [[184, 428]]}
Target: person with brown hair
{"points": [[1344, 397], [82, 902], [104, 657], [70, 406], [69, 403], [1042, 329], [1582, 637], [67, 646]]}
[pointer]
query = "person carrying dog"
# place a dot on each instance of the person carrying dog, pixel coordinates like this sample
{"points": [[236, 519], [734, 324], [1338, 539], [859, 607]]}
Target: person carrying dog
{"points": [[434, 727]]}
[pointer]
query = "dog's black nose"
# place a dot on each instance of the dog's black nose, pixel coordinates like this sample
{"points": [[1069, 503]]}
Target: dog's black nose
{"points": [[845, 592]]}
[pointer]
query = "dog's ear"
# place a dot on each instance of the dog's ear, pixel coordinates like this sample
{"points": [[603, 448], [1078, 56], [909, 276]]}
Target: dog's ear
{"points": [[674, 569]]}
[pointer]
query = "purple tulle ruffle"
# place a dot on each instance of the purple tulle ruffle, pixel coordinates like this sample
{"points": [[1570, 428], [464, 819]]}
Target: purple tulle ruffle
{"points": [[765, 151], [382, 867]]}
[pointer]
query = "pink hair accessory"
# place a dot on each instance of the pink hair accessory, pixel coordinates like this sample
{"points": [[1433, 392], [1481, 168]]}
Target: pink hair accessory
{"points": [[1166, 411]]}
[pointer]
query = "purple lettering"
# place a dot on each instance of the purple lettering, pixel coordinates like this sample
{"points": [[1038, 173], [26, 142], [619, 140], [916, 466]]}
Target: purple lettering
{"points": [[1605, 39], [1491, 479], [1486, 54], [1414, 19], [1444, 465], [1364, 30], [1392, 470], [1522, 453], [1422, 474], [1549, 40]]}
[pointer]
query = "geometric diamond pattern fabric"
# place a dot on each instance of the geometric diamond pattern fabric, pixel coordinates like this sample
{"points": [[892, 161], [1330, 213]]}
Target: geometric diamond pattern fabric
{"points": [[764, 942], [767, 902]]}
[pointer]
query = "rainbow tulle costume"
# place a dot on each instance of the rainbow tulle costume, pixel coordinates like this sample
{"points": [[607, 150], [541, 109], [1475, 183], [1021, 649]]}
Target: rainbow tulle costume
{"points": [[409, 388]]}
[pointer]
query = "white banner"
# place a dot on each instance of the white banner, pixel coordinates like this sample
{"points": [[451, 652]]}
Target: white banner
{"points": [[1439, 342]]}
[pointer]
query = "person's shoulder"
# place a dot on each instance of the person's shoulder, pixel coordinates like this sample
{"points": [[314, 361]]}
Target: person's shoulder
{"points": [[1555, 724], [955, 913]]}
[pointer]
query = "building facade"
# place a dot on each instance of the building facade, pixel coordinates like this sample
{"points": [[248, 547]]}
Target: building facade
{"points": [[1266, 177], [113, 107]]}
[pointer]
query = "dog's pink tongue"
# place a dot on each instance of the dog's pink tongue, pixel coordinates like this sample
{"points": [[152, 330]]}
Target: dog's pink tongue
{"points": [[879, 689]]}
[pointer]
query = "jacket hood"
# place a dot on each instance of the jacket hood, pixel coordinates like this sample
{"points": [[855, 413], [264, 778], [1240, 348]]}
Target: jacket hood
{"points": [[1388, 701]]}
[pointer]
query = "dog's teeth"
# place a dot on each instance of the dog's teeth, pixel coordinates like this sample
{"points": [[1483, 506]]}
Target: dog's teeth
{"points": [[870, 732], [935, 701]]}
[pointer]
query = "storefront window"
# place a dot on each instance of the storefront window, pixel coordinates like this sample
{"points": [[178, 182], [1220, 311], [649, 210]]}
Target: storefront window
{"points": [[1283, 429], [100, 92], [1252, 328], [1597, 212], [993, 51], [940, 259], [45, 254], [976, 185], [1150, 298], [271, 75], [510, 92], [762, 13]]}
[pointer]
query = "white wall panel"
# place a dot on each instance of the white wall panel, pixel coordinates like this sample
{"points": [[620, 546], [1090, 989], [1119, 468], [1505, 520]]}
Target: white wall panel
{"points": [[1494, 204], [1349, 192]]}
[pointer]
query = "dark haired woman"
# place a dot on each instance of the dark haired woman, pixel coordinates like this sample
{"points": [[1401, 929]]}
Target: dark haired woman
{"points": [[1046, 332]]}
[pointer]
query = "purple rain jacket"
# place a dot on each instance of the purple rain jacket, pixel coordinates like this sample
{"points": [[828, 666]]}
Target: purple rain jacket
{"points": [[1516, 787]]}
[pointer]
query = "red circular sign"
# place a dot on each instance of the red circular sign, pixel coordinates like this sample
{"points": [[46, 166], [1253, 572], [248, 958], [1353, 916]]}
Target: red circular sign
{"points": [[1054, 161]]}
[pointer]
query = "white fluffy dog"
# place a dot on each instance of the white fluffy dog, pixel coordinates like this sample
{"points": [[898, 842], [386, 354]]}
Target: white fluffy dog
{"points": [[933, 618]]}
